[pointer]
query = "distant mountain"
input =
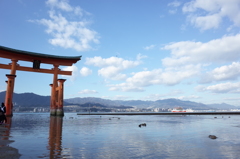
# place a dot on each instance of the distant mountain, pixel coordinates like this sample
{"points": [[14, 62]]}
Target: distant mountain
{"points": [[34, 100], [222, 106], [28, 99], [79, 100], [110, 103], [91, 104], [165, 103], [137, 103]]}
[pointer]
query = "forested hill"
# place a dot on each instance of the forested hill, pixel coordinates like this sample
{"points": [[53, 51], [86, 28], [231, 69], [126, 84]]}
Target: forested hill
{"points": [[28, 100], [165, 103], [34, 100]]}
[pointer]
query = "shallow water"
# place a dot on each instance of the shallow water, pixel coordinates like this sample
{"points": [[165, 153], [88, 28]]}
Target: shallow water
{"points": [[73, 136]]}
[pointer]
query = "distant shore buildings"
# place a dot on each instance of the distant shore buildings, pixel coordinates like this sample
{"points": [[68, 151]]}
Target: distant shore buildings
{"points": [[74, 108]]}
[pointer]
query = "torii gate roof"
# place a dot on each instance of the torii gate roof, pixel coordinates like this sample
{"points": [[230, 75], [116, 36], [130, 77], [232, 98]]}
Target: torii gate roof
{"points": [[10, 53]]}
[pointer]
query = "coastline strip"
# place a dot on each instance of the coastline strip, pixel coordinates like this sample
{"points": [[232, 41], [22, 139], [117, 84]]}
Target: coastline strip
{"points": [[161, 113]]}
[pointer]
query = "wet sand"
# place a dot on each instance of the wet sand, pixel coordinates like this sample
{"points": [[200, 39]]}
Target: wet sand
{"points": [[6, 151]]}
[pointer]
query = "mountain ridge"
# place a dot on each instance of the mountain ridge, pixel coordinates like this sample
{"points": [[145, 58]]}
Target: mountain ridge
{"points": [[34, 100]]}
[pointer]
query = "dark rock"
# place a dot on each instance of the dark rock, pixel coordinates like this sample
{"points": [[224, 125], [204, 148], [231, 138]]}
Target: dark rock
{"points": [[212, 136], [143, 124]]}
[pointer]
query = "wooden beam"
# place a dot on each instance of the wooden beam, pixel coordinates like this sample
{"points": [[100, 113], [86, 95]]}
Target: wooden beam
{"points": [[42, 70]]}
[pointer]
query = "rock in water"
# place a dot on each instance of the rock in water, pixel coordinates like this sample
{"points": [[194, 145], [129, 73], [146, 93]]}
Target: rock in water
{"points": [[212, 136]]}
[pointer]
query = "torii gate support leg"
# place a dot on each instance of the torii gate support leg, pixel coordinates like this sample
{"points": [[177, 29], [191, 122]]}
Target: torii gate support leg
{"points": [[9, 94], [53, 107], [60, 111], [10, 88]]}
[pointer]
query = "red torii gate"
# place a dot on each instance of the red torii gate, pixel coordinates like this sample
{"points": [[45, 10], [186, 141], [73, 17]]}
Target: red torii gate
{"points": [[56, 104]]}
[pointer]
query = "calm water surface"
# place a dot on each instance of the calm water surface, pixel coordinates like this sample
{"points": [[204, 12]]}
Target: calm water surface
{"points": [[74, 136]]}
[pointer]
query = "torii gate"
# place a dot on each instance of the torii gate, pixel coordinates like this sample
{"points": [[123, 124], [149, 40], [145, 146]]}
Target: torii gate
{"points": [[56, 104]]}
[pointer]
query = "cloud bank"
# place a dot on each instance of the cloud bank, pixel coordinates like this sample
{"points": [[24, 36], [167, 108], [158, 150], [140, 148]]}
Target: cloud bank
{"points": [[112, 67], [207, 15], [67, 32]]}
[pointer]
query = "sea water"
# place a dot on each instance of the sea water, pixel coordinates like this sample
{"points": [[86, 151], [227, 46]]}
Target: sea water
{"points": [[39, 135]]}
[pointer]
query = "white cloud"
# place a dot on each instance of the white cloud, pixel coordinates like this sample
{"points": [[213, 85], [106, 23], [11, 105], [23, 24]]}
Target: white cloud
{"points": [[225, 49], [112, 72], [62, 4], [74, 70], [65, 33], [174, 4], [125, 87], [159, 76], [205, 22], [140, 56], [227, 72], [206, 14], [86, 91], [149, 47], [111, 61], [221, 88], [85, 71], [112, 67], [169, 76]]}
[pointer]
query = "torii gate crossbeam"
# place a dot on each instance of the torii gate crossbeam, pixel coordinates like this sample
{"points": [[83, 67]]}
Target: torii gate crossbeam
{"points": [[56, 104]]}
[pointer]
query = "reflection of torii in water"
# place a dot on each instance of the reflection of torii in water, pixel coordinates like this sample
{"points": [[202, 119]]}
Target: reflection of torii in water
{"points": [[56, 107], [55, 137]]}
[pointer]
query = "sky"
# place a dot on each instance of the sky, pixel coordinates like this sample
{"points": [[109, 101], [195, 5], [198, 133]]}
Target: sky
{"points": [[131, 49]]}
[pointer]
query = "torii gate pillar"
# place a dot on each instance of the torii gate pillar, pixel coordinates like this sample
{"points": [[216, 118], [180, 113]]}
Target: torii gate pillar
{"points": [[57, 99], [10, 88], [60, 111], [54, 93], [9, 94]]}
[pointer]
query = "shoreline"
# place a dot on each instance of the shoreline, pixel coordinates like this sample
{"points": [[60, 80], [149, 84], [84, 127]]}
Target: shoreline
{"points": [[7, 151], [161, 113]]}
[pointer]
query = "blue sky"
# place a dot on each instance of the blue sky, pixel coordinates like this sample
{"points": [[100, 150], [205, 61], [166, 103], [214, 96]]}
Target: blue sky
{"points": [[131, 49]]}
